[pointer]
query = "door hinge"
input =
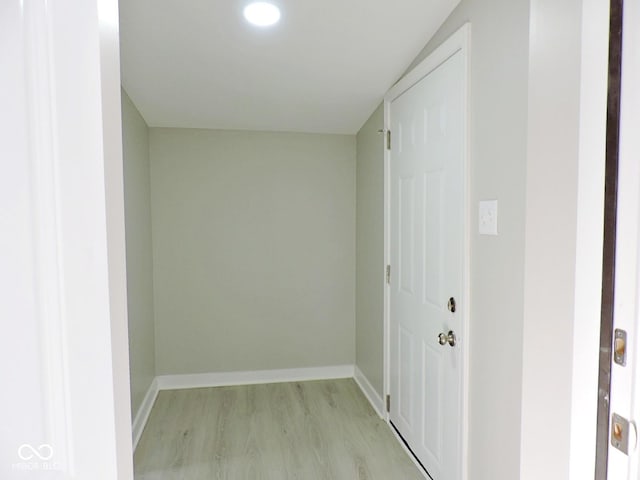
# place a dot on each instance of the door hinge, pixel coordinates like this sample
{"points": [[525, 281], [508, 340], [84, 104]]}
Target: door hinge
{"points": [[388, 139], [388, 403], [388, 274]]}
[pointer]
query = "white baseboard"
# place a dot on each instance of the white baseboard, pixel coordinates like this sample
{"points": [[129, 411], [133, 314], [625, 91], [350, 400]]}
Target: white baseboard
{"points": [[142, 415], [226, 379], [374, 398], [200, 380]]}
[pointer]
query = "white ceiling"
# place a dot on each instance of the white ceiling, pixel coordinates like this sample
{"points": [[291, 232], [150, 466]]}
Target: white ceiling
{"points": [[324, 68]]}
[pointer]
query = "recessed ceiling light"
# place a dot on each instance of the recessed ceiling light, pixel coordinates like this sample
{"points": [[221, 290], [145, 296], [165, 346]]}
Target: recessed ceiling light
{"points": [[262, 14]]}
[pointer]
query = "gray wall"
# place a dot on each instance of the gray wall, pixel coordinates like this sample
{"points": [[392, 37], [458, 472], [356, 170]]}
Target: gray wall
{"points": [[370, 250], [566, 131], [137, 193], [499, 72], [254, 250]]}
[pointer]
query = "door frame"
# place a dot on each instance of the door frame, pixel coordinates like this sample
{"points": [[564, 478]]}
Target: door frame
{"points": [[460, 41], [609, 239], [621, 311], [70, 194]]}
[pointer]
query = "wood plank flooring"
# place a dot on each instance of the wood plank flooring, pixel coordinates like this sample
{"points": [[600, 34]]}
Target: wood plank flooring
{"points": [[301, 430]]}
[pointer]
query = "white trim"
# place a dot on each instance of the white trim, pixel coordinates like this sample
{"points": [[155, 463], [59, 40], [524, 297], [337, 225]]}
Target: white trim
{"points": [[466, 280], [367, 389], [456, 42], [68, 215], [460, 41], [589, 238], [225, 379], [386, 330], [142, 415], [50, 277]]}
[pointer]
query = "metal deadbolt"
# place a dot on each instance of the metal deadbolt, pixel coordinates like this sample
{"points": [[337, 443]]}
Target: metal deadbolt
{"points": [[449, 338], [451, 305]]}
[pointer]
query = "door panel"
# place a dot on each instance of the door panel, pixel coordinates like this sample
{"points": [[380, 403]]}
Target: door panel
{"points": [[433, 243], [406, 241], [426, 245], [405, 393], [432, 365]]}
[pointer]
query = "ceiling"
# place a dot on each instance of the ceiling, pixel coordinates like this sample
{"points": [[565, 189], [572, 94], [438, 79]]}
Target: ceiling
{"points": [[323, 69]]}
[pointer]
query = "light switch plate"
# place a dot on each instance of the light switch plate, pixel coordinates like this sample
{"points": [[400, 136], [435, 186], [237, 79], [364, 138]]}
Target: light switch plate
{"points": [[488, 217]]}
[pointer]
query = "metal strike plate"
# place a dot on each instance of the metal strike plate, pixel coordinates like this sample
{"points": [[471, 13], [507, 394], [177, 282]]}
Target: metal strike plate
{"points": [[620, 433], [620, 347]]}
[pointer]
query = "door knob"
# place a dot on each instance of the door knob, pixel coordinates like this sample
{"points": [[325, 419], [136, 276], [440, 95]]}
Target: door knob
{"points": [[449, 338]]}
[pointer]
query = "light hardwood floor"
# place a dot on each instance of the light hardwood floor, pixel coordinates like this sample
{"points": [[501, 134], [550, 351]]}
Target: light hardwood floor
{"points": [[301, 430]]}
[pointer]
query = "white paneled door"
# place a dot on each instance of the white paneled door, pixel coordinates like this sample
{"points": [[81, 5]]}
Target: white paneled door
{"points": [[427, 215]]}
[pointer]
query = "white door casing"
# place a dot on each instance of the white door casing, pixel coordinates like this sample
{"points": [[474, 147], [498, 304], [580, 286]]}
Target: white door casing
{"points": [[427, 244], [64, 347], [625, 380]]}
